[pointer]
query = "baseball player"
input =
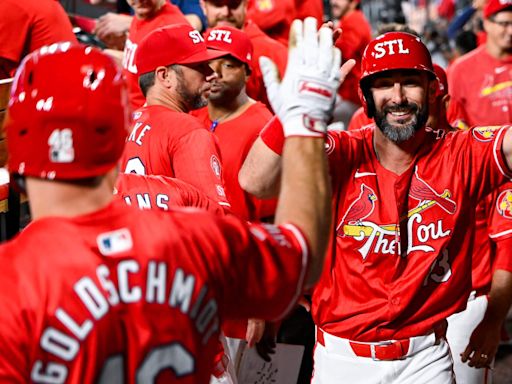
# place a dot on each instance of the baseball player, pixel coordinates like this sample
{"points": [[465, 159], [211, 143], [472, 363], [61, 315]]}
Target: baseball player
{"points": [[233, 117], [160, 192], [100, 292], [27, 26], [487, 98], [148, 16], [233, 13], [404, 205], [164, 139], [273, 17]]}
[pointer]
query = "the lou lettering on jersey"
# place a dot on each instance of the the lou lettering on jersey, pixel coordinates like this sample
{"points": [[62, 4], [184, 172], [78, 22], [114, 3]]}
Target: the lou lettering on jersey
{"points": [[100, 293]]}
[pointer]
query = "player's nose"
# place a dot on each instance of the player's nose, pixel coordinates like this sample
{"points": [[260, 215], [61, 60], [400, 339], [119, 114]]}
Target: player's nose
{"points": [[397, 93]]}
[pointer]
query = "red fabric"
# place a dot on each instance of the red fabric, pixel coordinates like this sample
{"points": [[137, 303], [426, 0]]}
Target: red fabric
{"points": [[446, 9], [160, 192], [372, 291], [273, 16], [482, 86], [174, 144], [263, 46], [235, 138], [359, 120], [493, 235], [139, 28], [129, 284], [30, 24], [357, 33], [273, 135], [310, 8]]}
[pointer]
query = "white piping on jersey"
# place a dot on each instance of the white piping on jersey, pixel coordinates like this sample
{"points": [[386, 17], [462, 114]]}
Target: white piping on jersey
{"points": [[499, 234], [362, 174], [495, 147]]}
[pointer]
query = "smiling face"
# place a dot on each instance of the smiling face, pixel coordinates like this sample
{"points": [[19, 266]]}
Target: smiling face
{"points": [[221, 13], [499, 32], [401, 102]]}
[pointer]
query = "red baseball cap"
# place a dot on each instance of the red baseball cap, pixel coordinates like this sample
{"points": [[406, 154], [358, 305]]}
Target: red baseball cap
{"points": [[494, 6], [231, 40], [174, 44]]}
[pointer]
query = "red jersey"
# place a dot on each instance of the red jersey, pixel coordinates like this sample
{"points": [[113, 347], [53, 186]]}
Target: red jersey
{"points": [[160, 192], [140, 28], [378, 284], [493, 227], [123, 295], [273, 16], [310, 8], [235, 138], [263, 46], [357, 33], [486, 96], [27, 25], [175, 144]]}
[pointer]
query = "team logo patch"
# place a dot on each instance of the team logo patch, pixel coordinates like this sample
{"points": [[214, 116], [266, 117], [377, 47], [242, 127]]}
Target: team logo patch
{"points": [[110, 243], [136, 115], [504, 204], [485, 134], [215, 164]]}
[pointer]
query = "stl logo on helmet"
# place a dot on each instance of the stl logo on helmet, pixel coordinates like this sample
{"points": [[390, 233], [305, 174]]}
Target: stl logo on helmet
{"points": [[220, 35], [391, 47]]}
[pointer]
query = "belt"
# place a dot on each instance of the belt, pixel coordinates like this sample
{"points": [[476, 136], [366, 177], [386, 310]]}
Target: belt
{"points": [[387, 350]]}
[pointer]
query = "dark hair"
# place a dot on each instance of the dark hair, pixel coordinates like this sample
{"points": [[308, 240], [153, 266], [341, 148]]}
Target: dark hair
{"points": [[147, 80]]}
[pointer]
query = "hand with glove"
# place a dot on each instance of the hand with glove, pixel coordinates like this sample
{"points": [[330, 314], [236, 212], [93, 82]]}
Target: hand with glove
{"points": [[304, 99]]}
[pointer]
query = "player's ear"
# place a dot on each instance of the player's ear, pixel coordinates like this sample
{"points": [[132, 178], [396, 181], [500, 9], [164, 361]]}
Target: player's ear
{"points": [[165, 76]]}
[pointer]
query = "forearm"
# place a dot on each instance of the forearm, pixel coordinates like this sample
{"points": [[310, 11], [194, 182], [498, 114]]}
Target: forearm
{"points": [[305, 196], [261, 171], [500, 297]]}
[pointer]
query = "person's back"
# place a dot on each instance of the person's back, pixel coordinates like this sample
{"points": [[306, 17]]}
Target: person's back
{"points": [[28, 25]]}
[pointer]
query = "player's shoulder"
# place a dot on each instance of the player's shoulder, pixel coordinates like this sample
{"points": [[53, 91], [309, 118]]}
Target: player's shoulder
{"points": [[468, 60], [258, 113]]}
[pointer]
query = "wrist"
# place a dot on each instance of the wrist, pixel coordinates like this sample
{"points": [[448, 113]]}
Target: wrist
{"points": [[304, 125]]}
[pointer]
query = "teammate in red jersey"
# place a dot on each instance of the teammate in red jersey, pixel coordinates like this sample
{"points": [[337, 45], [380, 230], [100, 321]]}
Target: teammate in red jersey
{"points": [[164, 139], [404, 207], [26, 26], [487, 98], [233, 13], [149, 16], [273, 17], [101, 292], [160, 192]]}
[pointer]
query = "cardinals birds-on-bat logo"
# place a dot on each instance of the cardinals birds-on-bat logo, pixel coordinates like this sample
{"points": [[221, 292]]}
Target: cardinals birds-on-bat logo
{"points": [[504, 204], [360, 208], [423, 192]]}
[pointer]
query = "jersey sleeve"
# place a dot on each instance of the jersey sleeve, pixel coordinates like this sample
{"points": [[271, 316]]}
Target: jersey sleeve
{"points": [[13, 44], [196, 160], [192, 197], [503, 258], [482, 162], [273, 136], [259, 269], [500, 226], [15, 332]]}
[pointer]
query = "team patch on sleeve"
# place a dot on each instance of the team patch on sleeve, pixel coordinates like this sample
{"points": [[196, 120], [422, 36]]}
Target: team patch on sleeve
{"points": [[215, 164], [504, 204], [485, 134]]}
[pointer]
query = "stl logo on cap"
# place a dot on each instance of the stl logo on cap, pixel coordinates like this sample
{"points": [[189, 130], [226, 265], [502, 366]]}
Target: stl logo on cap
{"points": [[504, 204], [220, 35], [196, 37], [390, 47]]}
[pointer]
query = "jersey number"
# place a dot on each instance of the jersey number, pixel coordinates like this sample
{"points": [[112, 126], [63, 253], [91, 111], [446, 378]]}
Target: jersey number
{"points": [[135, 165], [171, 356]]}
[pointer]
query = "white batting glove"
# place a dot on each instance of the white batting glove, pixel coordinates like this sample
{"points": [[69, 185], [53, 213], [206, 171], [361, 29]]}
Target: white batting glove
{"points": [[304, 100]]}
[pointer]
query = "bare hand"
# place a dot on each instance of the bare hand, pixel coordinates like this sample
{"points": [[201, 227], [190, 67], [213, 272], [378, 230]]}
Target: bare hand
{"points": [[112, 24], [483, 345], [255, 329]]}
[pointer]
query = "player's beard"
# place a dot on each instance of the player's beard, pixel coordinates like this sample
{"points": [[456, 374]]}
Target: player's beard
{"points": [[401, 130], [192, 99]]}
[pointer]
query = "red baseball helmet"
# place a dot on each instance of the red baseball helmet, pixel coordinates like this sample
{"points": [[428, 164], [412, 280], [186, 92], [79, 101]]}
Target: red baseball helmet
{"points": [[67, 117], [390, 51]]}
